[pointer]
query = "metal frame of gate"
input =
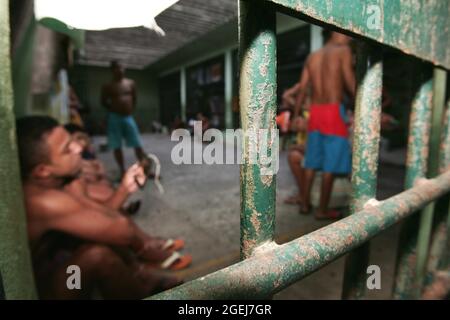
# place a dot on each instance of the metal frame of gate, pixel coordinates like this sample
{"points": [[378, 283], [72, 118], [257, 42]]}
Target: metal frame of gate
{"points": [[266, 267]]}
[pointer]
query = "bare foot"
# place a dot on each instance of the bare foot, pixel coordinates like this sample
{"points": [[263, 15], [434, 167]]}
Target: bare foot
{"points": [[305, 209]]}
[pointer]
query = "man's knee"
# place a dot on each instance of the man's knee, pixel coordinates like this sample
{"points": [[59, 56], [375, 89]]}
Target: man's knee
{"points": [[295, 156], [96, 254]]}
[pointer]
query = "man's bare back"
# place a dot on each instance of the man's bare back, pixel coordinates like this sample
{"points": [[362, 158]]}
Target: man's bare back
{"points": [[329, 73]]}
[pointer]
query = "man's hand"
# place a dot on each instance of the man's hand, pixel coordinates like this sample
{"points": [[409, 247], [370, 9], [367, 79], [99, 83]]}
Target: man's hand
{"points": [[133, 176]]}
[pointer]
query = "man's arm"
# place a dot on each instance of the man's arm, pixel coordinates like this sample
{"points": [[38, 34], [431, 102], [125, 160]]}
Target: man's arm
{"points": [[302, 87], [127, 186], [290, 94], [62, 212]]}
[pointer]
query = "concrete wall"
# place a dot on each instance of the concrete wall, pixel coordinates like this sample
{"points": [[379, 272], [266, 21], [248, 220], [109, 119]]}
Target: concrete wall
{"points": [[88, 82]]}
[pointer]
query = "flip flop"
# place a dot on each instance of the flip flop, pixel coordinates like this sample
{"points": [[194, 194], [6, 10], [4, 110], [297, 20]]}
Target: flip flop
{"points": [[176, 262], [330, 215], [173, 244]]}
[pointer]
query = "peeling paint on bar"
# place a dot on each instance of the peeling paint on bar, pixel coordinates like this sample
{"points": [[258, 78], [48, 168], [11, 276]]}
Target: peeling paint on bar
{"points": [[418, 28], [416, 168], [268, 272], [426, 218], [15, 259], [257, 96], [366, 140]]}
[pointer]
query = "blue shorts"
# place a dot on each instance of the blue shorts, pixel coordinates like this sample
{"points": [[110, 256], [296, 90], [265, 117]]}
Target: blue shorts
{"points": [[331, 154], [122, 127], [328, 148]]}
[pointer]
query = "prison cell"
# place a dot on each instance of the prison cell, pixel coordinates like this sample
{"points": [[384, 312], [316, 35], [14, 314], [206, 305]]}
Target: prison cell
{"points": [[266, 267]]}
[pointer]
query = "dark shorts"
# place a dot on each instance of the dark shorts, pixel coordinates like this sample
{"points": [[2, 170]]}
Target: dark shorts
{"points": [[122, 128]]}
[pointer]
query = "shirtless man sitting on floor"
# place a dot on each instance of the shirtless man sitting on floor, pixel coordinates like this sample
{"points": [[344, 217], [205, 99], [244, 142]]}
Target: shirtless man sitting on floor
{"points": [[65, 227]]}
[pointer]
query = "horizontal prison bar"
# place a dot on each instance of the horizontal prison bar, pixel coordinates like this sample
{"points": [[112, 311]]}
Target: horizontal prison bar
{"points": [[418, 28], [268, 272]]}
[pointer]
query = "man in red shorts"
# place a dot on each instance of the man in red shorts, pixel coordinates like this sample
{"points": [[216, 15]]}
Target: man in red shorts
{"points": [[328, 72]]}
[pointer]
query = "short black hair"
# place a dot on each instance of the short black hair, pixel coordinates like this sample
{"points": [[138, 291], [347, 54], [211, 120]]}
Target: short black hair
{"points": [[72, 128], [31, 132]]}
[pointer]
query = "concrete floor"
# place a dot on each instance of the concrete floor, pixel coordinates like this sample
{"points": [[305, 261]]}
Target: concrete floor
{"points": [[201, 205]]}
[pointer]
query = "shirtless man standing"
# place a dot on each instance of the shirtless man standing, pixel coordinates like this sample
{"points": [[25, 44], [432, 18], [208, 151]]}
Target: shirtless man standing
{"points": [[67, 228], [329, 73], [119, 98]]}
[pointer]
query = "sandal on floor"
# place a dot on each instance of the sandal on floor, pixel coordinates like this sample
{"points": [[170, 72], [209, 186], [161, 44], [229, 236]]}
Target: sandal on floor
{"points": [[173, 244], [176, 262]]}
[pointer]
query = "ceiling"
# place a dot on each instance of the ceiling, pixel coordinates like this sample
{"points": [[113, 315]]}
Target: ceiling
{"points": [[136, 48]]}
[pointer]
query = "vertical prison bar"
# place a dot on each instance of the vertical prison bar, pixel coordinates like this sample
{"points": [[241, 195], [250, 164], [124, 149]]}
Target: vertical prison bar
{"points": [[366, 139], [15, 262], [416, 168], [426, 218], [257, 98], [439, 237]]}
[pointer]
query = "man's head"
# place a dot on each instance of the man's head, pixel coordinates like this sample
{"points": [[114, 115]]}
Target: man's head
{"points": [[46, 149], [117, 69]]}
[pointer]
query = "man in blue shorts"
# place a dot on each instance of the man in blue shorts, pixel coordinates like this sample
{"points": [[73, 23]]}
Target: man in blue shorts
{"points": [[119, 98], [329, 74]]}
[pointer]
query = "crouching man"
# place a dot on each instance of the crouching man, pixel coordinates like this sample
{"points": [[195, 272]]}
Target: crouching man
{"points": [[66, 228]]}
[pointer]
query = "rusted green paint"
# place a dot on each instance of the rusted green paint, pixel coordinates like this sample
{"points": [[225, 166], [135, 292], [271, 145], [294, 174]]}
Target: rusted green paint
{"points": [[440, 238], [444, 153], [419, 135], [418, 28], [416, 168], [15, 264], [266, 273], [2, 290], [257, 94], [366, 140], [426, 219]]}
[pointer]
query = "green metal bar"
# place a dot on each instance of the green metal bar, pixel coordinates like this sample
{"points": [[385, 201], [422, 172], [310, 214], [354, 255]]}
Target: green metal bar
{"points": [[269, 272], [365, 161], [416, 167], [444, 153], [426, 219], [15, 262], [439, 238], [257, 95], [444, 262], [418, 28]]}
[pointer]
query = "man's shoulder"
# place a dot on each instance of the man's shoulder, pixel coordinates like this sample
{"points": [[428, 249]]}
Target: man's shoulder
{"points": [[48, 201]]}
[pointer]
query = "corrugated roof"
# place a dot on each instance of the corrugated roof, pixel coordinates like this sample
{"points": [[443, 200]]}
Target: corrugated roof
{"points": [[138, 47]]}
